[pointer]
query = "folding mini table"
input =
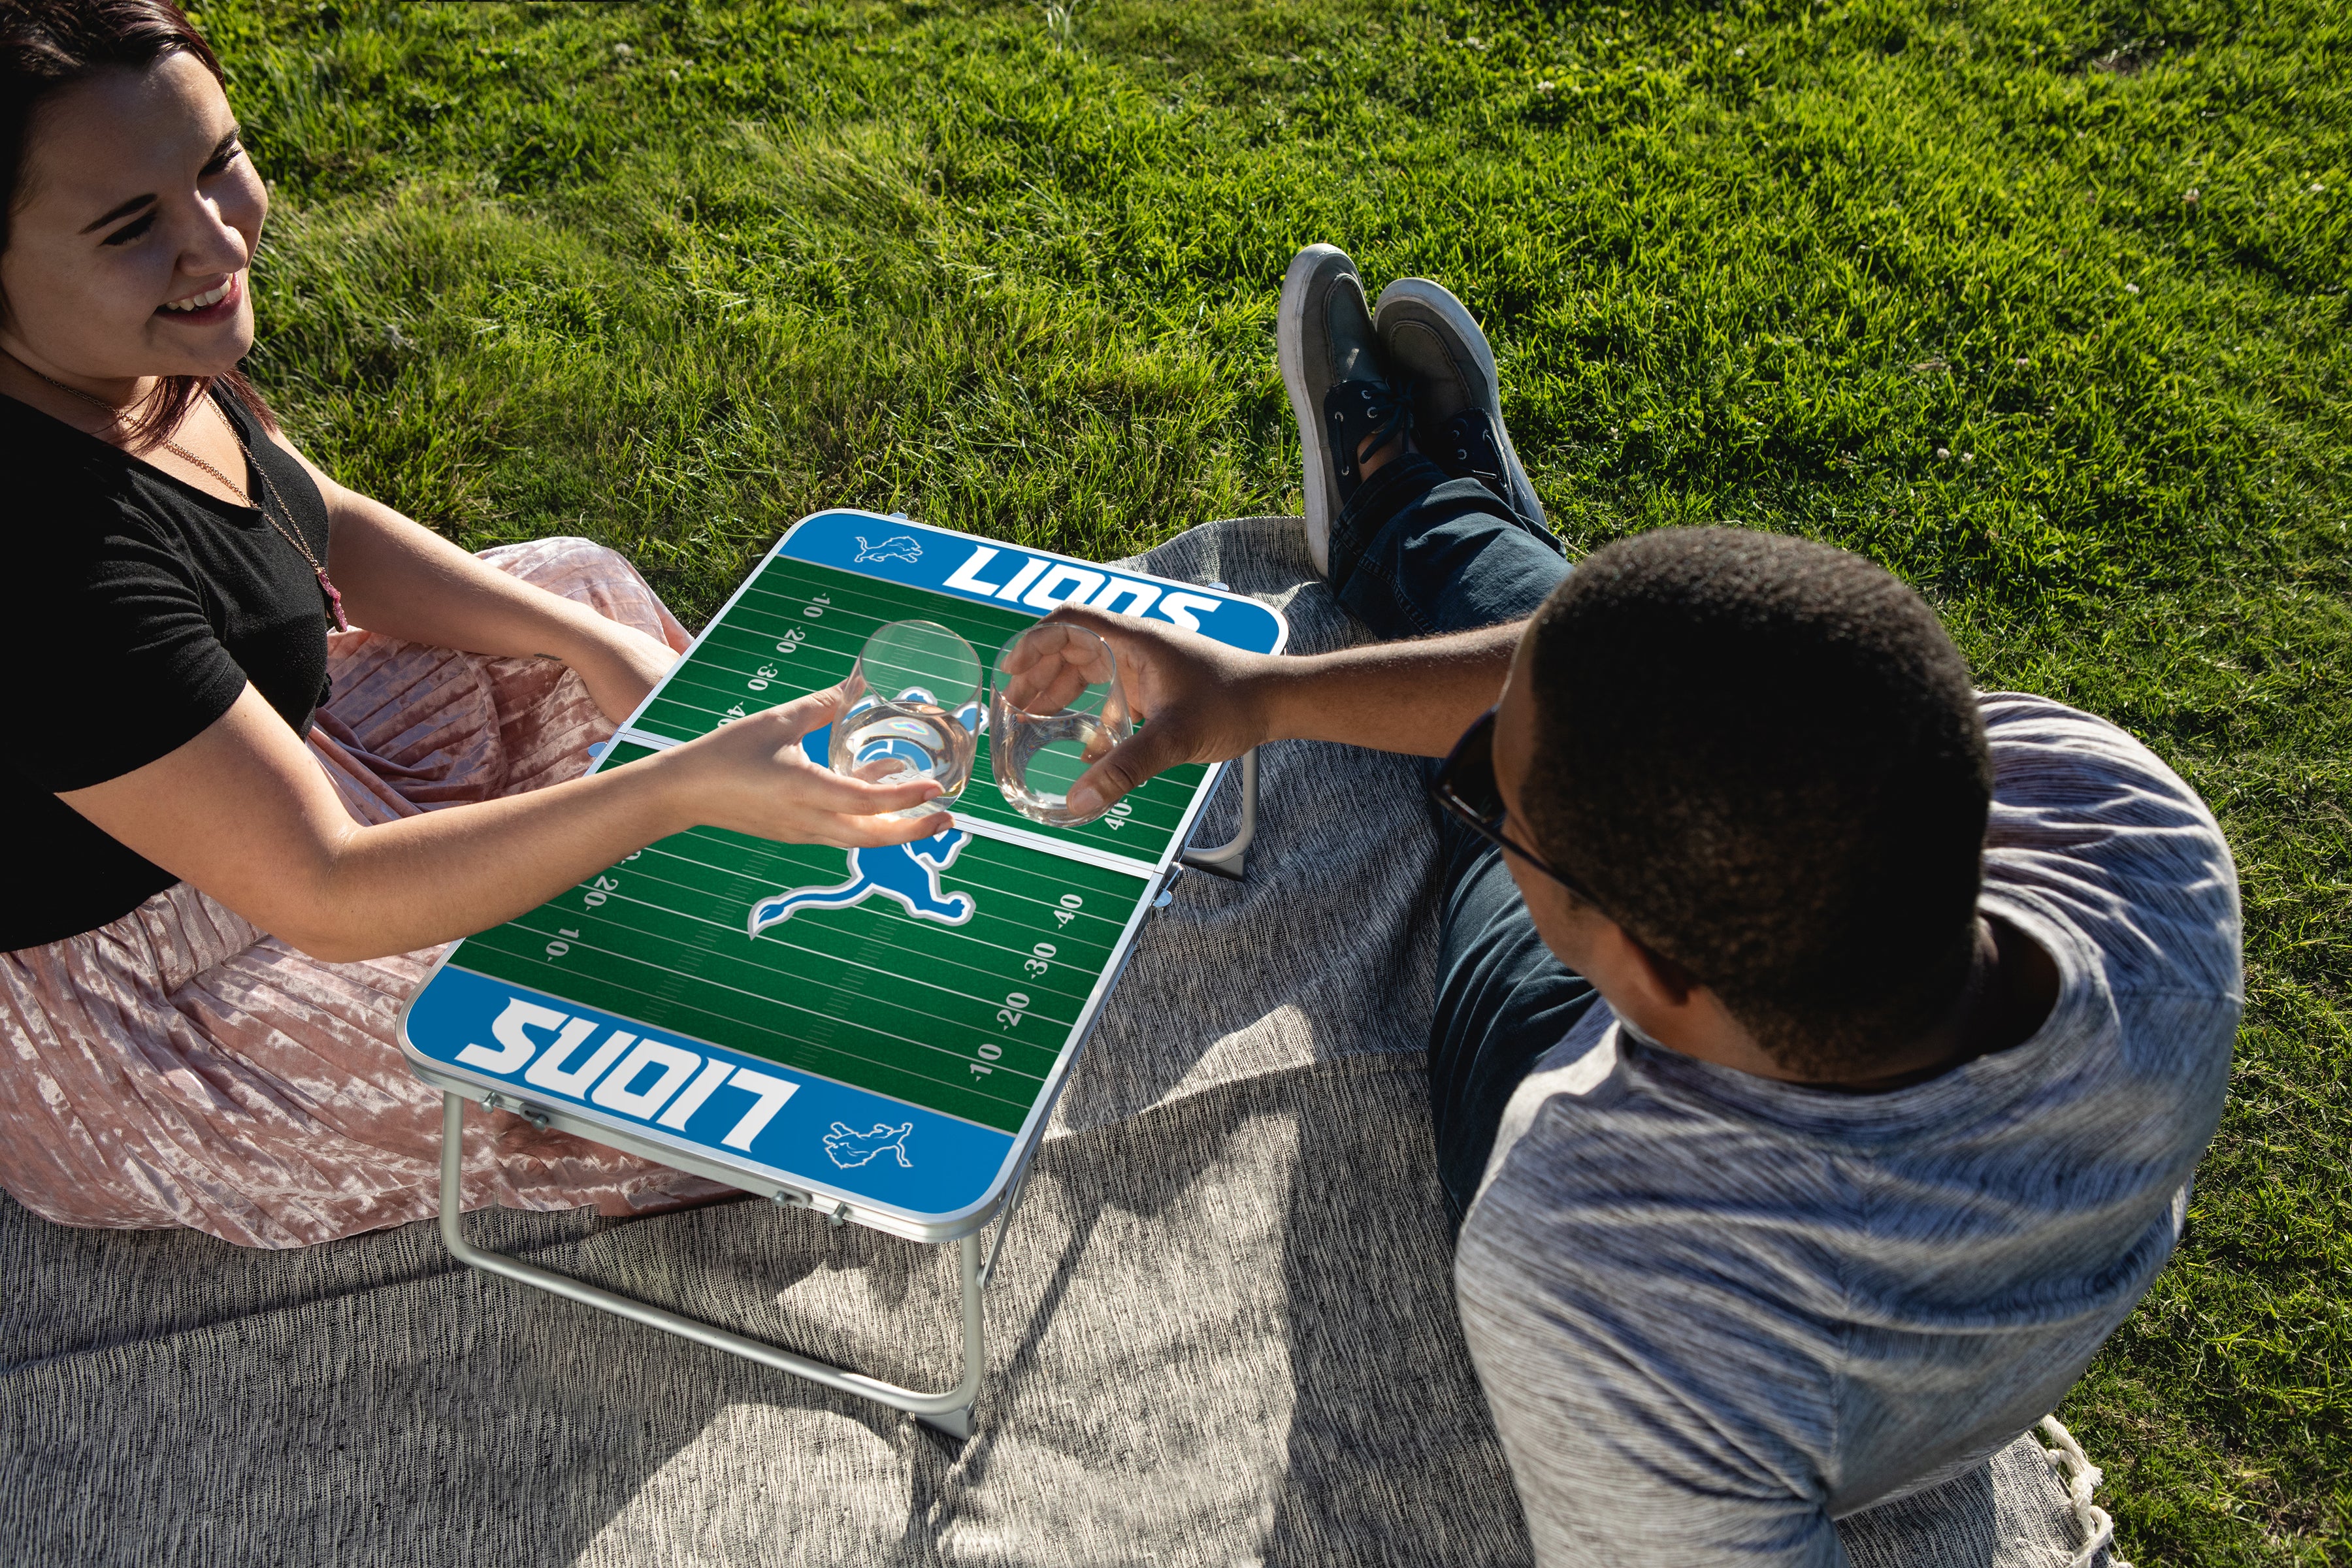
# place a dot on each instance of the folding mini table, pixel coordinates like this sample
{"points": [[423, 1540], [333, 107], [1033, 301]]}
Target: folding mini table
{"points": [[876, 1035]]}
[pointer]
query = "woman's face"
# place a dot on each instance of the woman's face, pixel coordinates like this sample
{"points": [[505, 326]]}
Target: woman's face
{"points": [[136, 218]]}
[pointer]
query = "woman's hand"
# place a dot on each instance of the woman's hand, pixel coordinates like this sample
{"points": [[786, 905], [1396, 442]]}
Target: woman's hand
{"points": [[751, 776], [620, 664]]}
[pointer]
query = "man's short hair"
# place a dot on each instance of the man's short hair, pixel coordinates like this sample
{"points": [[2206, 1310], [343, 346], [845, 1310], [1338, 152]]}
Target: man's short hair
{"points": [[1764, 757]]}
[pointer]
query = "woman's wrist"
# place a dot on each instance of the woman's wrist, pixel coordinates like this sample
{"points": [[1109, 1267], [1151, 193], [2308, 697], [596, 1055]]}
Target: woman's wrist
{"points": [[664, 797], [577, 635]]}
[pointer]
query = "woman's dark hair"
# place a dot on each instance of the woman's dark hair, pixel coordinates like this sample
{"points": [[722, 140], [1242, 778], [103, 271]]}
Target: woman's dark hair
{"points": [[47, 45]]}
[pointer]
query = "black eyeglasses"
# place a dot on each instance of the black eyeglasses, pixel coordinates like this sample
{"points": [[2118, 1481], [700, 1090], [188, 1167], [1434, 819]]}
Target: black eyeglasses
{"points": [[1465, 788]]}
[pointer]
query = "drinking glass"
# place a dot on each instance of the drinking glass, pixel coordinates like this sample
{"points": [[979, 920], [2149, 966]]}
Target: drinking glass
{"points": [[1055, 707], [914, 706]]}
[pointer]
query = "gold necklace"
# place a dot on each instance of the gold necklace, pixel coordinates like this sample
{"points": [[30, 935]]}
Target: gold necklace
{"points": [[291, 535]]}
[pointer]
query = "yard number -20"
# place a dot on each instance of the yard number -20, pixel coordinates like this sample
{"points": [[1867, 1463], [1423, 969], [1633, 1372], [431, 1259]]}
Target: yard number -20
{"points": [[1016, 1002], [1015, 1008]]}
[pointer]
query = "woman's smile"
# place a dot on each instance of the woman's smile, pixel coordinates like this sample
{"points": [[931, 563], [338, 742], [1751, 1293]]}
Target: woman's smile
{"points": [[218, 303]]}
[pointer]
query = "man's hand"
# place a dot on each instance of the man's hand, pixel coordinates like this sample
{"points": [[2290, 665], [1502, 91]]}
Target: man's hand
{"points": [[1206, 703], [1202, 701]]}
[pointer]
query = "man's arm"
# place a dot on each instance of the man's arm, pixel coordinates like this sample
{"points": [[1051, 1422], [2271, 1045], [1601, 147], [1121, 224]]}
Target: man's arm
{"points": [[1206, 703]]}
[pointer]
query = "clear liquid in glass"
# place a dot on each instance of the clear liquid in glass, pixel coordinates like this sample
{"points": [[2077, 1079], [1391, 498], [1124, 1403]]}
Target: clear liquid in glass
{"points": [[1038, 759], [892, 740]]}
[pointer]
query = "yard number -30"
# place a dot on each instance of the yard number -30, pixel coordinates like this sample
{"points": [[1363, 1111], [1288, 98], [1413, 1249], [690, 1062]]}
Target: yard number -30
{"points": [[1016, 1002]]}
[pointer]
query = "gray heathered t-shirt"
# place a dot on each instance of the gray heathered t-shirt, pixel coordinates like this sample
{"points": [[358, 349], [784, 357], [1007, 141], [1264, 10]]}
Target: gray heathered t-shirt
{"points": [[1714, 1312]]}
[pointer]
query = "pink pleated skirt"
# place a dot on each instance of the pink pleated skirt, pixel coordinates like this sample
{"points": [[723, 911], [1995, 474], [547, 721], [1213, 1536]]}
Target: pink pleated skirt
{"points": [[182, 1067]]}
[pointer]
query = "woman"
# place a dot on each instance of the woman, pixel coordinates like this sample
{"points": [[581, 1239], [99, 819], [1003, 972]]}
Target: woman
{"points": [[241, 834]]}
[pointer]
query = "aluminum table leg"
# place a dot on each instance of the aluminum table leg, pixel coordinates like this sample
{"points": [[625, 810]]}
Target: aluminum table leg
{"points": [[1229, 858], [950, 1412]]}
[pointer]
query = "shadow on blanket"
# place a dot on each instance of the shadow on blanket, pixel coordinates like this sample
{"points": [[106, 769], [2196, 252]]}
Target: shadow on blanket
{"points": [[1223, 1330]]}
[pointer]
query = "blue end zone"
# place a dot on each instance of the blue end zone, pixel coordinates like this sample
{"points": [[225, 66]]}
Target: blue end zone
{"points": [[897, 550], [732, 1109]]}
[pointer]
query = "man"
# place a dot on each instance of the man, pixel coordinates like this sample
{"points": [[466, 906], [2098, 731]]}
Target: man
{"points": [[1821, 1050]]}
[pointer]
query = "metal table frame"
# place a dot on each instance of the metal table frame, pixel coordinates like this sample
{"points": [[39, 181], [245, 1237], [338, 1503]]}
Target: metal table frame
{"points": [[950, 1412]]}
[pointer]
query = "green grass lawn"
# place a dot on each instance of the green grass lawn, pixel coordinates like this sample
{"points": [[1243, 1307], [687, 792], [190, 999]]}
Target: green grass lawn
{"points": [[2041, 305]]}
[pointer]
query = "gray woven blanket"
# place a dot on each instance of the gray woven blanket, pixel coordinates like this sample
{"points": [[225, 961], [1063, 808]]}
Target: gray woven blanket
{"points": [[1222, 1330]]}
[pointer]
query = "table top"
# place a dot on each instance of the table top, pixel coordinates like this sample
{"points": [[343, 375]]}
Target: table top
{"points": [[882, 1032]]}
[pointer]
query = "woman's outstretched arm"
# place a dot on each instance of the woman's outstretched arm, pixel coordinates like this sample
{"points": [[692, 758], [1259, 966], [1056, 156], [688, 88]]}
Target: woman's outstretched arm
{"points": [[244, 813], [400, 578]]}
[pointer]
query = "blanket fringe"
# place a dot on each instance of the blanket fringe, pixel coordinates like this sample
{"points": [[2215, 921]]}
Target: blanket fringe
{"points": [[2082, 1477]]}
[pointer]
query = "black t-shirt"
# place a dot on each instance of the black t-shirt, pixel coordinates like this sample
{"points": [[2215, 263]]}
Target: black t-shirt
{"points": [[139, 607]]}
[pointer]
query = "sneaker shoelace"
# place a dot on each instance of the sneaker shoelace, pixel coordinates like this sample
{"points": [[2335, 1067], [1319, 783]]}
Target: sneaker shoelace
{"points": [[1469, 436], [1365, 415]]}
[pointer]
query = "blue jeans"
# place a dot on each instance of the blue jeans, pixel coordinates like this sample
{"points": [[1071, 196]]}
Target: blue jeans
{"points": [[1414, 554]]}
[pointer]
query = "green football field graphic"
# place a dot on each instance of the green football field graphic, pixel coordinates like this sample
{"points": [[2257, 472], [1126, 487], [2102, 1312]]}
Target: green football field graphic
{"points": [[865, 995], [770, 628], [962, 996]]}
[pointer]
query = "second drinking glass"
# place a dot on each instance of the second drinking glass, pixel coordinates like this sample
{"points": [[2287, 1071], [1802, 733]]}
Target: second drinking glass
{"points": [[1055, 707], [914, 706]]}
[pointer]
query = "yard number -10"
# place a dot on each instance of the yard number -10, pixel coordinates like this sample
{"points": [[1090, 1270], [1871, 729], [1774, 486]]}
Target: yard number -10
{"points": [[1014, 1009]]}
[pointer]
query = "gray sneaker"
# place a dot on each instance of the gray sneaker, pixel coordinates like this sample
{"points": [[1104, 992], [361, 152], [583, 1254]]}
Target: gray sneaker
{"points": [[1435, 346], [1337, 380]]}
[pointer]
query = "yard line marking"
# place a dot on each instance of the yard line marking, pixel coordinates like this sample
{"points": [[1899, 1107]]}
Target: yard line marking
{"points": [[779, 867], [755, 960], [752, 953], [810, 1072], [772, 1001]]}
